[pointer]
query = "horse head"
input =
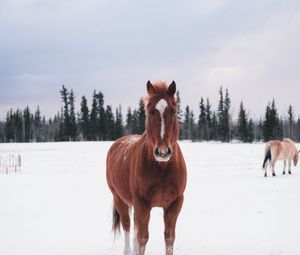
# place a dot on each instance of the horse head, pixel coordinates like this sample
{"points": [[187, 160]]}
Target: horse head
{"points": [[161, 119]]}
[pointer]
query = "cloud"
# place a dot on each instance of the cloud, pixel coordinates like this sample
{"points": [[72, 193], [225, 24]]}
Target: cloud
{"points": [[116, 46], [256, 66]]}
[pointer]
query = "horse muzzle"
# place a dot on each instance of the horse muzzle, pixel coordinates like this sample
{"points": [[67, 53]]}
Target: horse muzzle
{"points": [[162, 154]]}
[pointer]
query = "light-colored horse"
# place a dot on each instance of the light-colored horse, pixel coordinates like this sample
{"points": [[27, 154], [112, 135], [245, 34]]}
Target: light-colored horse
{"points": [[280, 150]]}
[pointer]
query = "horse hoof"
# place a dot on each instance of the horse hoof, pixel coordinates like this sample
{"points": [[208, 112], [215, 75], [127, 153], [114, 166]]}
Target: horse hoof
{"points": [[283, 173], [290, 172], [274, 174]]}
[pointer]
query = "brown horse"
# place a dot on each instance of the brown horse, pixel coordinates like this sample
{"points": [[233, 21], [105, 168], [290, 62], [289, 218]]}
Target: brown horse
{"points": [[148, 170], [280, 150]]}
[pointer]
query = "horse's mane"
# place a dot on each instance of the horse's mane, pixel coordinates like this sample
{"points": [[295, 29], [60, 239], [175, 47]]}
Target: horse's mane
{"points": [[160, 89]]}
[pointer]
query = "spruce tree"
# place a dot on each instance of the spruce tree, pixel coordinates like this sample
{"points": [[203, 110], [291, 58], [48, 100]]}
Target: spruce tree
{"points": [[141, 117], [223, 116], [202, 121], [208, 120], [272, 128], [242, 126], [214, 127], [93, 134], [291, 122], [38, 125], [179, 115], [250, 137], [129, 121], [193, 129], [84, 119], [65, 121], [102, 129], [119, 123], [28, 119], [187, 124], [110, 124], [135, 122], [72, 132]]}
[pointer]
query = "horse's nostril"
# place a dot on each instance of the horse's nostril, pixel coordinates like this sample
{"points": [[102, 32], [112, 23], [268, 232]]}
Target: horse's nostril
{"points": [[169, 151], [156, 152]]}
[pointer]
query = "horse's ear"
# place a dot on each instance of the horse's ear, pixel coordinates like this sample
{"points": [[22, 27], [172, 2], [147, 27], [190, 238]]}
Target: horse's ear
{"points": [[150, 87], [172, 89]]}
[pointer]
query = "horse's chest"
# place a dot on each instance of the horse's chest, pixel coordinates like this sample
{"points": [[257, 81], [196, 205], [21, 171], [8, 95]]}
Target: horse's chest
{"points": [[161, 194]]}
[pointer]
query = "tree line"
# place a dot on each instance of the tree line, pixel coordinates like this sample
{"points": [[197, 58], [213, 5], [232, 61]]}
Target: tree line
{"points": [[100, 122]]}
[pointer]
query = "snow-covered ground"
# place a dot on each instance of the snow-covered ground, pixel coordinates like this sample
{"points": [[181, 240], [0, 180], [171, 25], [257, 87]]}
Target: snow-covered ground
{"points": [[60, 204]]}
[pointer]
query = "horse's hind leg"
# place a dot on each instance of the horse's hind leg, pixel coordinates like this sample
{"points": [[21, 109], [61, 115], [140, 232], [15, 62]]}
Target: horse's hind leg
{"points": [[273, 166], [266, 169], [284, 166], [123, 210], [290, 166]]}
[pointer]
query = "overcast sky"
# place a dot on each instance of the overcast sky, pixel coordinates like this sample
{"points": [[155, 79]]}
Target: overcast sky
{"points": [[115, 46]]}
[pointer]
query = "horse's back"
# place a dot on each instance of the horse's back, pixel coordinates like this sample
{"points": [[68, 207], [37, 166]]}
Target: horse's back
{"points": [[282, 150], [290, 146]]}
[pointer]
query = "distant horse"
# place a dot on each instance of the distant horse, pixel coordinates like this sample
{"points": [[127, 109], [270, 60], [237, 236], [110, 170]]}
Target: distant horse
{"points": [[280, 150], [148, 170]]}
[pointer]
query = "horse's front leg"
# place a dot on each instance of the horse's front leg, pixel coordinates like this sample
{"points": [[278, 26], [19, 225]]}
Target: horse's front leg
{"points": [[141, 223], [170, 217], [284, 166], [290, 165]]}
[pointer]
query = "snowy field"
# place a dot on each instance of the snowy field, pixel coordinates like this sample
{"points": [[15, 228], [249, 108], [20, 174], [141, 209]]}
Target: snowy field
{"points": [[60, 204]]}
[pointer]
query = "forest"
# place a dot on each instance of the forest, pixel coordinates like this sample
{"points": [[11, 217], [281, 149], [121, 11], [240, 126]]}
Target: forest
{"points": [[103, 122]]}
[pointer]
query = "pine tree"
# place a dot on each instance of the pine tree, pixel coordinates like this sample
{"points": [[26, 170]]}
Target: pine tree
{"points": [[72, 132], [28, 119], [65, 121], [135, 122], [38, 125], [110, 124], [187, 124], [93, 134], [101, 113], [119, 123], [179, 115], [250, 137], [227, 104], [272, 128], [193, 129], [242, 126], [84, 119], [214, 127], [202, 122], [141, 117], [208, 120], [129, 119], [223, 116], [291, 122]]}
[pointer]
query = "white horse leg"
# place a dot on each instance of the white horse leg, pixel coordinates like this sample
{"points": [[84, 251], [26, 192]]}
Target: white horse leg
{"points": [[266, 169], [127, 249], [284, 166], [135, 242], [290, 164], [273, 167]]}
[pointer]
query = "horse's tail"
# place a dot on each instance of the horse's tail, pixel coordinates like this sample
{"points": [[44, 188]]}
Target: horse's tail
{"points": [[267, 155], [116, 222]]}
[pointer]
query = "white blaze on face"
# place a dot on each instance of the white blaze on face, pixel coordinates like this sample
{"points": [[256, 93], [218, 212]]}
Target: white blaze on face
{"points": [[161, 106]]}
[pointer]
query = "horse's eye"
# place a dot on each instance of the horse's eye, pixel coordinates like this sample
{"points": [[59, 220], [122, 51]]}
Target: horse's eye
{"points": [[151, 113]]}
